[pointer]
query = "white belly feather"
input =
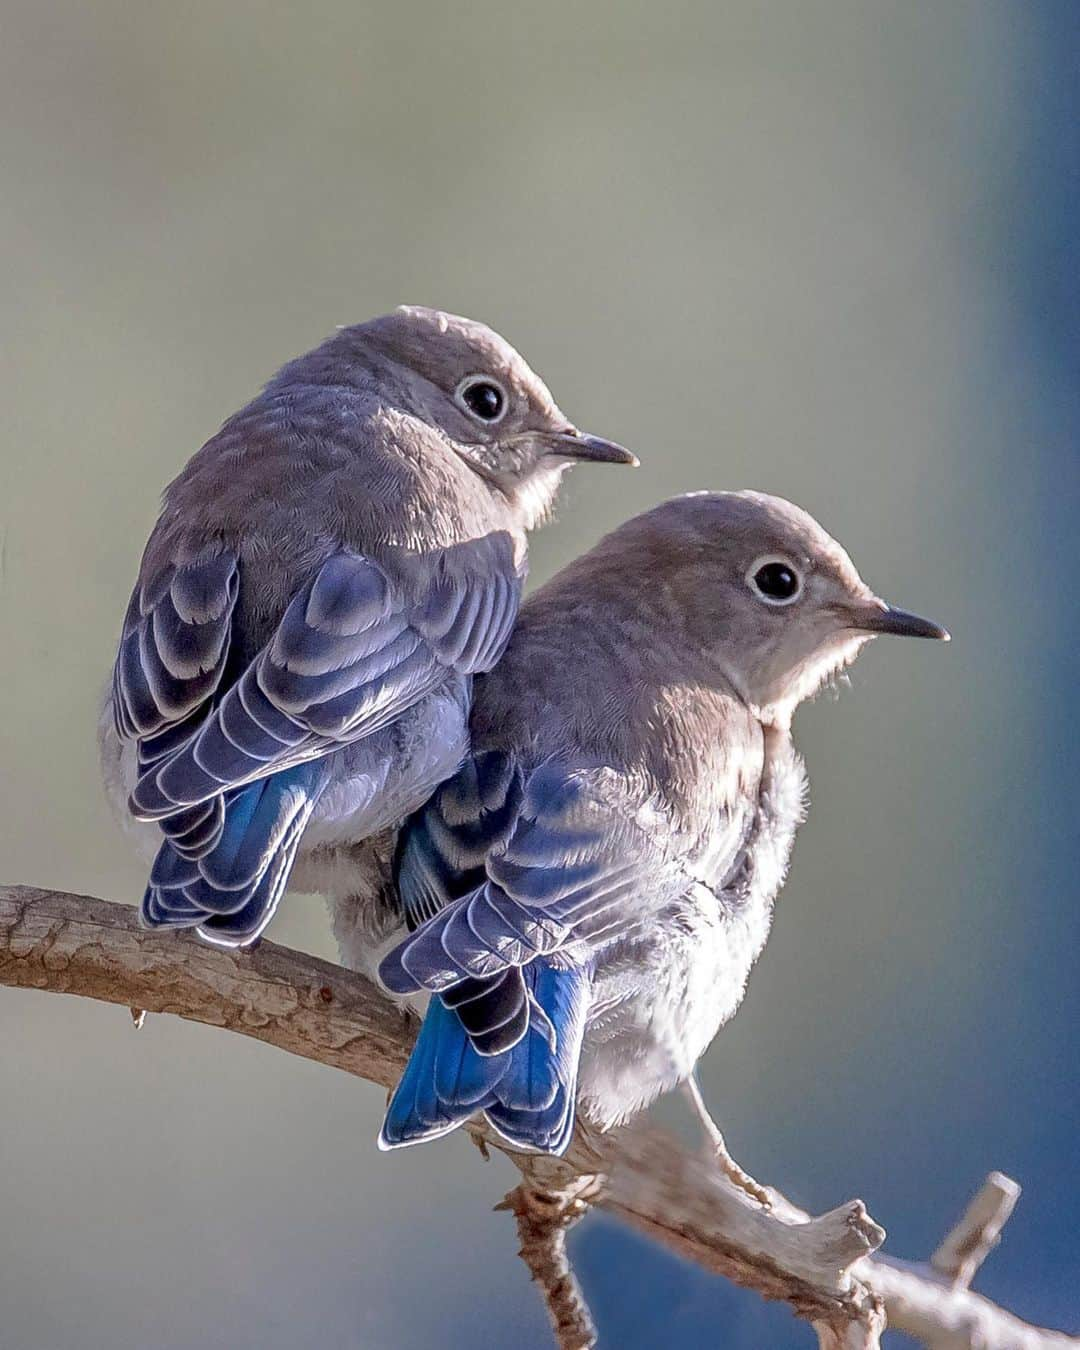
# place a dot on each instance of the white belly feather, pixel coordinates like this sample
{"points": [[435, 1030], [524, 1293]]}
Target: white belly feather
{"points": [[661, 997]]}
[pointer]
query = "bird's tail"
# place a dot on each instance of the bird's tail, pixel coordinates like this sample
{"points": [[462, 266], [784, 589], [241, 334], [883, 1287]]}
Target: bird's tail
{"points": [[224, 864], [527, 1091]]}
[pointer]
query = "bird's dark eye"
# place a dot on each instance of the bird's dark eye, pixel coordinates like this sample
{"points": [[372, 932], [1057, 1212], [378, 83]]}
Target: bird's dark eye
{"points": [[482, 397], [776, 580]]}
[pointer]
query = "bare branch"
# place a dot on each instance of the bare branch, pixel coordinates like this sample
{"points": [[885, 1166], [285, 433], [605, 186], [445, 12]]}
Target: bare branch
{"points": [[821, 1266], [543, 1218], [978, 1232], [944, 1318]]}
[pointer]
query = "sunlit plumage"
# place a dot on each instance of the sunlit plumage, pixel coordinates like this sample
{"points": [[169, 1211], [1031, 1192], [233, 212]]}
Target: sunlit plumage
{"points": [[326, 576], [588, 894]]}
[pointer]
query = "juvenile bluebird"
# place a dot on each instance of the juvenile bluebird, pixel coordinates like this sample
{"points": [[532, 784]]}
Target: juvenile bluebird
{"points": [[326, 576], [588, 894]]}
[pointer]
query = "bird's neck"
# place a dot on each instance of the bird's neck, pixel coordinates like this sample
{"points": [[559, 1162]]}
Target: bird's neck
{"points": [[532, 500]]}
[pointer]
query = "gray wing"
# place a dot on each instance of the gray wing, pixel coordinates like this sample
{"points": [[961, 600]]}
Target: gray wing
{"points": [[173, 650], [443, 848], [580, 864], [350, 654]]}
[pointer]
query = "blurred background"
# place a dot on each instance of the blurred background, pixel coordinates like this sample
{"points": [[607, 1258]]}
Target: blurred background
{"points": [[826, 249]]}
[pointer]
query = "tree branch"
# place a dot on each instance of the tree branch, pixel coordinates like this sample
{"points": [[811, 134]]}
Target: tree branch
{"points": [[543, 1218], [978, 1232], [821, 1266]]}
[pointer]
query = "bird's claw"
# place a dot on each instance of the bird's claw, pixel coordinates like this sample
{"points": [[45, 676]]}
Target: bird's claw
{"points": [[746, 1183], [742, 1181]]}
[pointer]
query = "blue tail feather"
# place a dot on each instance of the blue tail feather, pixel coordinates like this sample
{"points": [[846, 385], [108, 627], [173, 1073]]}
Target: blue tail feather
{"points": [[527, 1092], [231, 891], [546, 1131]]}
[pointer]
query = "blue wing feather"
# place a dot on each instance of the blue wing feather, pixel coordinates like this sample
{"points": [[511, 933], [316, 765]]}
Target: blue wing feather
{"points": [[443, 848], [571, 867], [531, 893], [174, 644], [347, 658], [562, 865]]}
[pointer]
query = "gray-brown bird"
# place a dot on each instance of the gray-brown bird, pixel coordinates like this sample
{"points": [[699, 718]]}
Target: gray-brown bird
{"points": [[590, 891], [327, 575]]}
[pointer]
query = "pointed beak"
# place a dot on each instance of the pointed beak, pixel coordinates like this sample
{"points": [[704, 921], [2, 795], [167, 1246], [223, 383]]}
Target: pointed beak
{"points": [[574, 444], [878, 617]]}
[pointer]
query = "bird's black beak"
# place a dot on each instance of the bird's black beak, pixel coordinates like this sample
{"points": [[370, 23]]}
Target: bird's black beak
{"points": [[575, 444], [878, 617]]}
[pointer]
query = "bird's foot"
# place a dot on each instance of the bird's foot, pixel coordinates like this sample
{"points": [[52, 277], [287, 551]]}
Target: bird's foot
{"points": [[716, 1153]]}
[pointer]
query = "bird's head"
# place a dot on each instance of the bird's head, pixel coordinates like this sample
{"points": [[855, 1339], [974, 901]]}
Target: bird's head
{"points": [[494, 412], [775, 601]]}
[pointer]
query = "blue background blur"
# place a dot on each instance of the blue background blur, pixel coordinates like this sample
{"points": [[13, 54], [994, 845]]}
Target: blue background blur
{"points": [[828, 249]]}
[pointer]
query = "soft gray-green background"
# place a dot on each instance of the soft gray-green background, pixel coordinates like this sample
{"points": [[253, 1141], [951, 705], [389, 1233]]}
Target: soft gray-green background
{"points": [[826, 249]]}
